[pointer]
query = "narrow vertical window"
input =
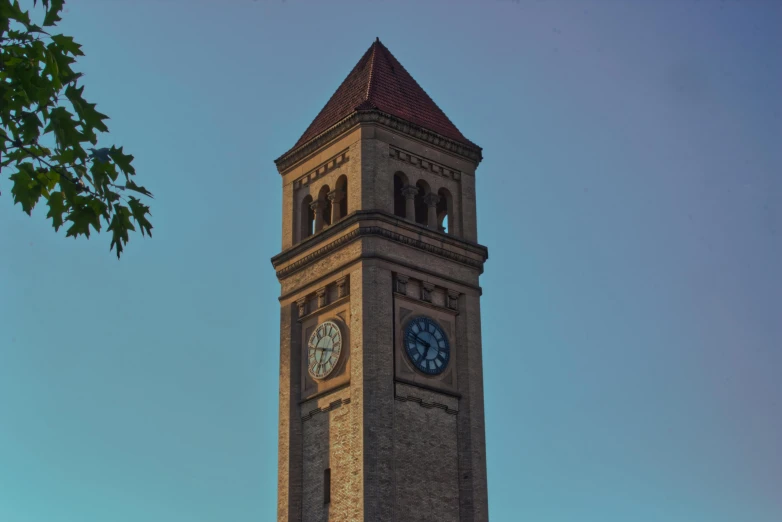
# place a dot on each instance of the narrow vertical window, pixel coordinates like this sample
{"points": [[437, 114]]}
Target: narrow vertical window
{"points": [[327, 485]]}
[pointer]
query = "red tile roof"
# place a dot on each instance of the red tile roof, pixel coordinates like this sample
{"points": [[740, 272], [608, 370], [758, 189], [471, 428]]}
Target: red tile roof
{"points": [[379, 82]]}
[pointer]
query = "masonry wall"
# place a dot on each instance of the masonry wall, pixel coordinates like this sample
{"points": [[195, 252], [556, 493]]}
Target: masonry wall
{"points": [[425, 456], [327, 444]]}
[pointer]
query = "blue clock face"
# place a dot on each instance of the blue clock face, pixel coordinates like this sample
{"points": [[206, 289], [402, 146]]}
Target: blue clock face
{"points": [[426, 345]]}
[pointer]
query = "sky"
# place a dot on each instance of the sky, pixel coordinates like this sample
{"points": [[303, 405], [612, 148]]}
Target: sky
{"points": [[630, 198]]}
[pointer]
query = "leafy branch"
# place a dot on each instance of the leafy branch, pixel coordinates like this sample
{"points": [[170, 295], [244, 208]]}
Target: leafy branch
{"points": [[47, 127]]}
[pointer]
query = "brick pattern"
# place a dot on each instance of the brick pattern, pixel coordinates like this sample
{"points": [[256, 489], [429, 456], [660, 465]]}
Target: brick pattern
{"points": [[426, 460], [378, 378], [326, 442], [289, 457]]}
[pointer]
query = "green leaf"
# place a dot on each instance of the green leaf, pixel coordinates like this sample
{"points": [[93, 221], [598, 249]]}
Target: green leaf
{"points": [[130, 185], [14, 12], [61, 122], [81, 217], [26, 189], [65, 157], [119, 227], [48, 180], [67, 44], [53, 13], [52, 69], [139, 211], [56, 209], [30, 128], [122, 160], [103, 174], [86, 111]]}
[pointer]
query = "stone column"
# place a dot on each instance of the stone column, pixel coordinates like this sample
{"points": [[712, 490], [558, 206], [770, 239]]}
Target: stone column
{"points": [[302, 304], [410, 192], [453, 299], [342, 287], [426, 291], [317, 207], [431, 202], [401, 283], [335, 197], [321, 297]]}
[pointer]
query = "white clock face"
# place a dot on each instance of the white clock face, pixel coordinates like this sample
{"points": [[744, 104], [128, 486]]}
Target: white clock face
{"points": [[323, 349]]}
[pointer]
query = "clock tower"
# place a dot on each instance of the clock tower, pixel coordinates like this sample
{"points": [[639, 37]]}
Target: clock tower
{"points": [[381, 378]]}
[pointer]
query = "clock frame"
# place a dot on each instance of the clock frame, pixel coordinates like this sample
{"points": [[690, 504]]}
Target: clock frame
{"points": [[426, 345], [324, 349], [405, 370]]}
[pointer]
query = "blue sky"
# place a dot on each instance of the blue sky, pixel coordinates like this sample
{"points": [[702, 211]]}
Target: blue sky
{"points": [[630, 199]]}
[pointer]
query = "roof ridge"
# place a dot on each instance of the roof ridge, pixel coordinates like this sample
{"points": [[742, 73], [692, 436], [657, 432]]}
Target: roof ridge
{"points": [[371, 69]]}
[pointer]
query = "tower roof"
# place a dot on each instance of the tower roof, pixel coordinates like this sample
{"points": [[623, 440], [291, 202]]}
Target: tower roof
{"points": [[379, 82]]}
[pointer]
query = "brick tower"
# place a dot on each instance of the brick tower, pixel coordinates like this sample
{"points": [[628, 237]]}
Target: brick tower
{"points": [[381, 379]]}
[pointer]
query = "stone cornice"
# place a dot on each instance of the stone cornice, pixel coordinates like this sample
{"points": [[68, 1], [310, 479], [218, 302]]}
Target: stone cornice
{"points": [[423, 163], [362, 231], [293, 156]]}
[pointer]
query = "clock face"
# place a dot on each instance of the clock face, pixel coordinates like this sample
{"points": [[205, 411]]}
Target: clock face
{"points": [[323, 349], [426, 345]]}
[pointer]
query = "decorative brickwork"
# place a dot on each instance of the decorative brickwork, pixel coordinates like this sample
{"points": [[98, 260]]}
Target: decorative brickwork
{"points": [[332, 406], [427, 405], [378, 231], [324, 168], [422, 163]]}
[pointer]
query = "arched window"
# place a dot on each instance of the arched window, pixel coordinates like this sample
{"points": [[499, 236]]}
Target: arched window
{"points": [[342, 198], [444, 211], [307, 218], [400, 181], [421, 210], [325, 207]]}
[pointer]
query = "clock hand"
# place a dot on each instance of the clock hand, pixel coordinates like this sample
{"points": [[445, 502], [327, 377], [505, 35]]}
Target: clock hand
{"points": [[426, 347]]}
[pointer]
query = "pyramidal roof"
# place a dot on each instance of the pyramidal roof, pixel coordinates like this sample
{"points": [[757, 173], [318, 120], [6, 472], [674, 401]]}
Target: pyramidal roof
{"points": [[379, 82]]}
